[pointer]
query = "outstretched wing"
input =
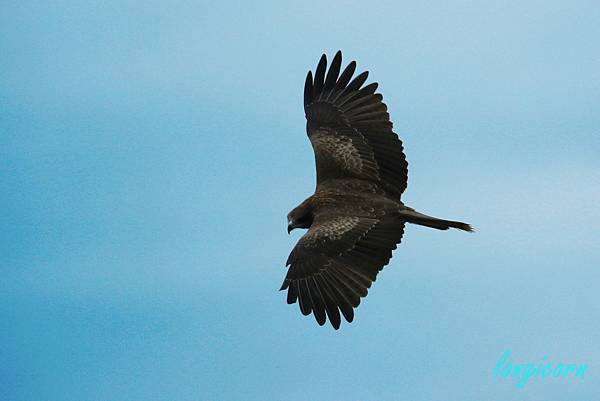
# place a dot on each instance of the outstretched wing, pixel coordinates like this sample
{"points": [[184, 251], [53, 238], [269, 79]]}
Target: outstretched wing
{"points": [[350, 129], [334, 263]]}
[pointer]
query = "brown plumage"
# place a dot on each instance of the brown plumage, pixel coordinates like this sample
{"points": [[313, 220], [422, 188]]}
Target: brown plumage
{"points": [[355, 217]]}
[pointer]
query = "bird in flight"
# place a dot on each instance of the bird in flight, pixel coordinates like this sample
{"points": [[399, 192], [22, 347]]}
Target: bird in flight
{"points": [[355, 218]]}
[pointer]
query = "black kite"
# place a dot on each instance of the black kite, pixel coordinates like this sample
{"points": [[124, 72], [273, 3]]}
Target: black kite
{"points": [[355, 217]]}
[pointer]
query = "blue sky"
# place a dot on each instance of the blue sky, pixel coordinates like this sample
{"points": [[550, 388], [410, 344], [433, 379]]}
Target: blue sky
{"points": [[150, 151]]}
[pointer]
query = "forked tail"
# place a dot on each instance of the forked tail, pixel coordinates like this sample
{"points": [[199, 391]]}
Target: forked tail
{"points": [[412, 216]]}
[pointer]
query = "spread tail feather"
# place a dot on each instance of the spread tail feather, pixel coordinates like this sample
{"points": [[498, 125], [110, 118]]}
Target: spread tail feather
{"points": [[412, 216]]}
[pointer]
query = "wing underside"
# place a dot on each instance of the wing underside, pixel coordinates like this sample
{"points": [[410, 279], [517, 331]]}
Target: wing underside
{"points": [[350, 129], [336, 261]]}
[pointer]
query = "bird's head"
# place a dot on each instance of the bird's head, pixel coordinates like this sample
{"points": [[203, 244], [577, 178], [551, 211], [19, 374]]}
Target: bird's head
{"points": [[299, 217]]}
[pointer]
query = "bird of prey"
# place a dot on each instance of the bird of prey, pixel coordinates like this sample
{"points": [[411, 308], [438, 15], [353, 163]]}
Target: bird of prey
{"points": [[355, 218]]}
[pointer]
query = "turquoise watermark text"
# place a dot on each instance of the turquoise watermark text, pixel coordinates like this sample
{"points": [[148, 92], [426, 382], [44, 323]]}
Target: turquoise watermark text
{"points": [[522, 372]]}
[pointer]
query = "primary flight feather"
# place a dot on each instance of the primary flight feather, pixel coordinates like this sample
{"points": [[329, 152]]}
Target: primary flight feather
{"points": [[355, 217]]}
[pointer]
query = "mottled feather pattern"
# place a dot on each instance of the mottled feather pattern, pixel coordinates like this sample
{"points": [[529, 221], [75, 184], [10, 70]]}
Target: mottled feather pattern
{"points": [[331, 231], [343, 153]]}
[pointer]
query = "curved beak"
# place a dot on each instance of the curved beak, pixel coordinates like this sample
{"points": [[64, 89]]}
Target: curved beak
{"points": [[291, 225]]}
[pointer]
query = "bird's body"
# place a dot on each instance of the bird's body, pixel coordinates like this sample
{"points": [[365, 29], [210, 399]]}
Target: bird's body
{"points": [[355, 218]]}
